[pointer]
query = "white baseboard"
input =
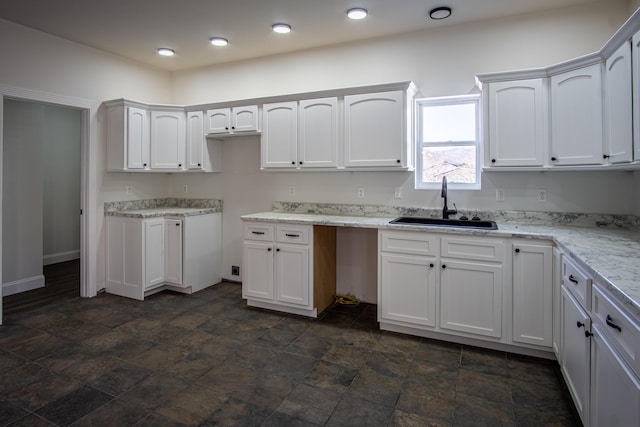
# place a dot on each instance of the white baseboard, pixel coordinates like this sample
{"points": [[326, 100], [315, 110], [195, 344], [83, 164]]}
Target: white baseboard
{"points": [[60, 257], [22, 285]]}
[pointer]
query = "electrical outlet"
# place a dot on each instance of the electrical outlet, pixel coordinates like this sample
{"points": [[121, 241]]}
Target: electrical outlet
{"points": [[292, 190], [235, 270], [398, 193], [186, 188], [499, 194], [542, 195], [129, 190], [360, 192]]}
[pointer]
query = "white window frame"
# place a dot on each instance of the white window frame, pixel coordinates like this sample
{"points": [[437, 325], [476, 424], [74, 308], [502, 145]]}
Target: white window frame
{"points": [[419, 145]]}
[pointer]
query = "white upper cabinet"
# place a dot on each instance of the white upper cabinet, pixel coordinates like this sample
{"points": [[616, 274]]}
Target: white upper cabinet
{"points": [[576, 117], [127, 138], [375, 130], [318, 133], [618, 105], [231, 120], [636, 94], [167, 140], [517, 123], [279, 141], [195, 140]]}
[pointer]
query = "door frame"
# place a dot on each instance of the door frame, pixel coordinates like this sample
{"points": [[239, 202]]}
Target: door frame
{"points": [[88, 181]]}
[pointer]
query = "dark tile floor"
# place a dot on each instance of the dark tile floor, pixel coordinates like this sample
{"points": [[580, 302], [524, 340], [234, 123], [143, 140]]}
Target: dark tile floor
{"points": [[207, 359]]}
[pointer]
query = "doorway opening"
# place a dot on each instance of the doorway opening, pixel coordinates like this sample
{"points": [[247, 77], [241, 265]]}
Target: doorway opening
{"points": [[41, 203]]}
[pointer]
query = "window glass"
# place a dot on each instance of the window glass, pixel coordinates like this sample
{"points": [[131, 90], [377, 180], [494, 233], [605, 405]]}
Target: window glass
{"points": [[448, 142]]}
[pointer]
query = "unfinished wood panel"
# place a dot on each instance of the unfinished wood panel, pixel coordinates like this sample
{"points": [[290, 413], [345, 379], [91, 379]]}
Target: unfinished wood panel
{"points": [[324, 266]]}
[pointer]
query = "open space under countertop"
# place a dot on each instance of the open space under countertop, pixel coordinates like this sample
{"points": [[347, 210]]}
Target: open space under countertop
{"points": [[611, 256]]}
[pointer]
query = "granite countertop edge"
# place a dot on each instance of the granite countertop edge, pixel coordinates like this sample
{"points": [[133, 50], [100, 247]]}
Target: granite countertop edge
{"points": [[606, 254]]}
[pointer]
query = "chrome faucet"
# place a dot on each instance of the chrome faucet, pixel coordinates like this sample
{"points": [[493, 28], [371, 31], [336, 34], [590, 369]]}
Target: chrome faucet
{"points": [[445, 210]]}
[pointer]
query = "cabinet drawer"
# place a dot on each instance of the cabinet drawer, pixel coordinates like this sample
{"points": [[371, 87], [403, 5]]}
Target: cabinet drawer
{"points": [[576, 281], [258, 231], [294, 233], [414, 243], [621, 330], [484, 249]]}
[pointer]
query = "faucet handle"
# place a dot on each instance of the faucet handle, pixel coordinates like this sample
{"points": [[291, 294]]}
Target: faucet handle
{"points": [[454, 211]]}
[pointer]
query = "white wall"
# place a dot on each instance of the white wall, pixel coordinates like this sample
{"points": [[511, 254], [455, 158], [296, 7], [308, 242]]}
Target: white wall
{"points": [[441, 62], [61, 183]]}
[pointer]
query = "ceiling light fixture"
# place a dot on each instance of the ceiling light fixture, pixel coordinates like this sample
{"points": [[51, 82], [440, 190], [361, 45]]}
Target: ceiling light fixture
{"points": [[219, 41], [165, 51], [440, 13], [281, 28], [357, 13]]}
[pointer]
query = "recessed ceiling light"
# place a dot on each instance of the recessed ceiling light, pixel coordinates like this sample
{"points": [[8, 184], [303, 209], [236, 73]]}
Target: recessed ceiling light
{"points": [[281, 28], [357, 13], [219, 41], [440, 13], [165, 51]]}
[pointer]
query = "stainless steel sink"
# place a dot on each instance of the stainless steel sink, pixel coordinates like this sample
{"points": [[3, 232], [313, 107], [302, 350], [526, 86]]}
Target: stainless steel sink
{"points": [[439, 222]]}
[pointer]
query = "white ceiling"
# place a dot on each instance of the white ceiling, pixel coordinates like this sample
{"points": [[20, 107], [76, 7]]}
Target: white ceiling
{"points": [[135, 28]]}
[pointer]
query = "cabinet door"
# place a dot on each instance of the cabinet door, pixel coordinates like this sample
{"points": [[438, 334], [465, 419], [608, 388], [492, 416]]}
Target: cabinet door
{"points": [[218, 120], [257, 266], [167, 140], [137, 138], [518, 129], [374, 129], [280, 139], [471, 297], [615, 398], [318, 133], [154, 252], [635, 55], [576, 117], [124, 257], [408, 289], [576, 355], [195, 140], [532, 294], [244, 119], [618, 91], [173, 251], [557, 284], [293, 274]]}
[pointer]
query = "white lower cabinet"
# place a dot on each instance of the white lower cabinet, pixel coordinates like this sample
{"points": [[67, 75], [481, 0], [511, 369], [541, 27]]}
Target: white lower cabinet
{"points": [[149, 255], [472, 286], [532, 293], [575, 354], [408, 278], [279, 268]]}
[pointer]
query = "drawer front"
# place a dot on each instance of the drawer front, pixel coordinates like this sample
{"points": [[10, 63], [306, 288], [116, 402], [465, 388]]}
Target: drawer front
{"points": [[262, 231], [300, 234], [576, 281], [620, 329], [414, 243], [484, 249]]}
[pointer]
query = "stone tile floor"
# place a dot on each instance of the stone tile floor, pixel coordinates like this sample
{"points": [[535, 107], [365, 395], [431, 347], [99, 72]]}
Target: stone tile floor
{"points": [[206, 359]]}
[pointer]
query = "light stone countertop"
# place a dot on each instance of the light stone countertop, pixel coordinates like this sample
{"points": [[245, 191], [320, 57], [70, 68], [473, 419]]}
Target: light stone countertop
{"points": [[150, 208], [611, 256]]}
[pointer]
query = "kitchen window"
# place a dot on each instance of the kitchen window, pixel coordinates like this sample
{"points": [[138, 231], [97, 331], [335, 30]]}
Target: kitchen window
{"points": [[448, 142]]}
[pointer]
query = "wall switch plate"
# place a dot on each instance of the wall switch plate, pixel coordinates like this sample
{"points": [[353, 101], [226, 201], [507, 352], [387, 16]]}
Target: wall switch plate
{"points": [[499, 194], [186, 188], [398, 193], [360, 192], [542, 195], [235, 270], [129, 190], [292, 190]]}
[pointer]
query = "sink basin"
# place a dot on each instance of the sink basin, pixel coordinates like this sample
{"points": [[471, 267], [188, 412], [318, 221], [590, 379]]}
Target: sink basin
{"points": [[439, 222]]}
